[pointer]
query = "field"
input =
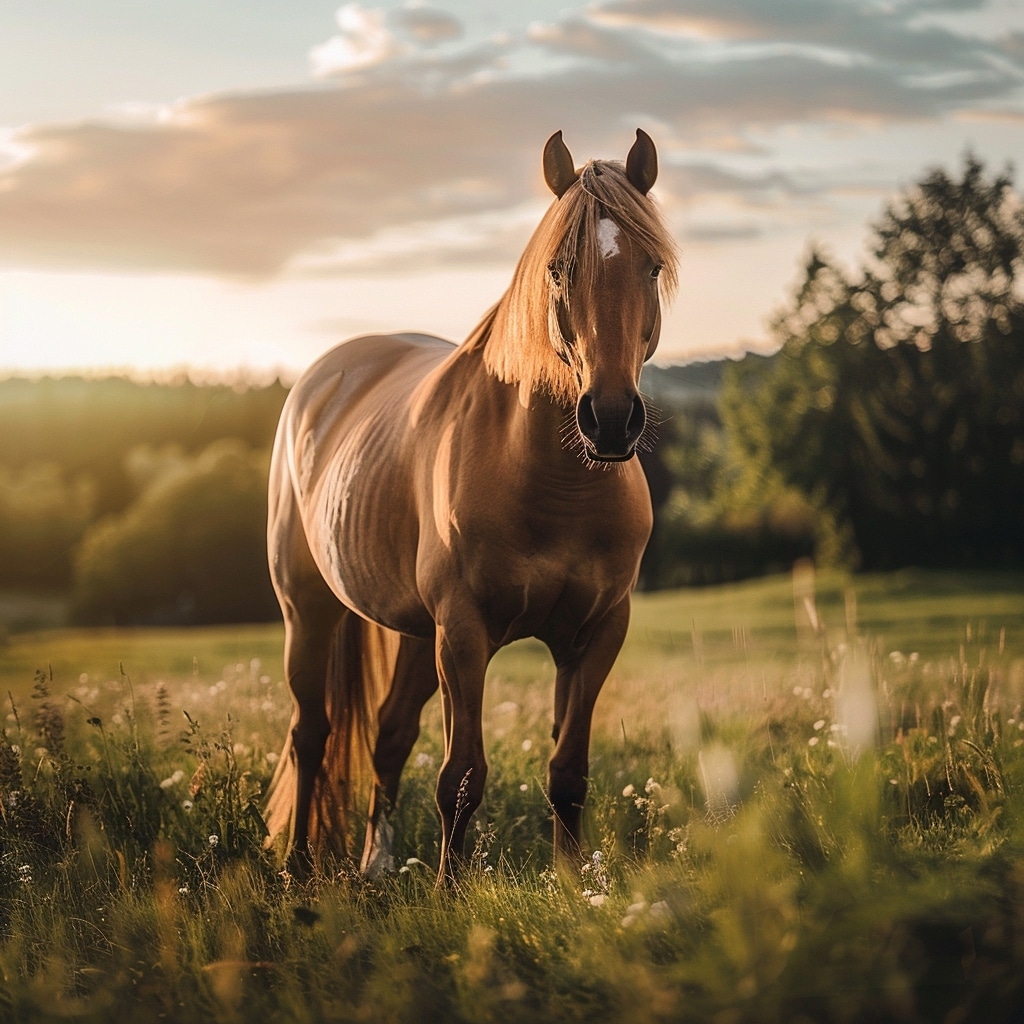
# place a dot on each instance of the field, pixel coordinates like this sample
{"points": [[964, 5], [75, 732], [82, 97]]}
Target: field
{"points": [[806, 805]]}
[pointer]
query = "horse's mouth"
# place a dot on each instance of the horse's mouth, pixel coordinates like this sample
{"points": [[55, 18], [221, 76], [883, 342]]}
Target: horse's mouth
{"points": [[595, 456]]}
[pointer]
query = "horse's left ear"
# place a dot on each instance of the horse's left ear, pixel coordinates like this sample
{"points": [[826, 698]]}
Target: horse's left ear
{"points": [[642, 163]]}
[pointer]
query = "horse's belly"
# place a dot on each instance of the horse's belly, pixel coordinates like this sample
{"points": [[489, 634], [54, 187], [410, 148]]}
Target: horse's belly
{"points": [[369, 554]]}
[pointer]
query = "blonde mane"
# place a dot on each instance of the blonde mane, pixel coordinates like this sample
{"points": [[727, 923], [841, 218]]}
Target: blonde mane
{"points": [[522, 348]]}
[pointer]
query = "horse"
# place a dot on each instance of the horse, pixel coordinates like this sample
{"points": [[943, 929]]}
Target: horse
{"points": [[431, 503]]}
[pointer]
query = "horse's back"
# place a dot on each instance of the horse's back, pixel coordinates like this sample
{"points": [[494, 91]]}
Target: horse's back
{"points": [[366, 361], [351, 382]]}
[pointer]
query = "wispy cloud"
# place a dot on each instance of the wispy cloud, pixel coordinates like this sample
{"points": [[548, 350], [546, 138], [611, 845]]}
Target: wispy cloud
{"points": [[413, 136]]}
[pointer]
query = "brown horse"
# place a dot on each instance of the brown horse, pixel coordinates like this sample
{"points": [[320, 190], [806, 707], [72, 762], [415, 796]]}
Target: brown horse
{"points": [[431, 503]]}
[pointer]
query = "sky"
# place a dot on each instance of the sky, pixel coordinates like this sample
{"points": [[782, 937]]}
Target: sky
{"points": [[231, 188]]}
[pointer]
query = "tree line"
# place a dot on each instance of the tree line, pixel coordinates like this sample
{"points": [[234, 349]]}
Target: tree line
{"points": [[885, 430]]}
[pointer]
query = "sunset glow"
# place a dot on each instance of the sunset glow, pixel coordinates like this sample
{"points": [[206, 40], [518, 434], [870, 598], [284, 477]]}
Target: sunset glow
{"points": [[354, 168]]}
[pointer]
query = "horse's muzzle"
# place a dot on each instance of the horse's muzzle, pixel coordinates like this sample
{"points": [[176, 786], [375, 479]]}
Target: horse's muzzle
{"points": [[610, 427]]}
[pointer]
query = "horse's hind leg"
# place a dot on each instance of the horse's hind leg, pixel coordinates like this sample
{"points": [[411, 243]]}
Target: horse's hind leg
{"points": [[413, 684], [308, 644]]}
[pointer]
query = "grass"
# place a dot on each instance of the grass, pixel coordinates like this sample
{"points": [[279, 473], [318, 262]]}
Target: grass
{"points": [[805, 804]]}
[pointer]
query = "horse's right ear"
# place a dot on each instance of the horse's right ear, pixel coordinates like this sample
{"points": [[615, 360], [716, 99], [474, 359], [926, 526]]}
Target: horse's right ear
{"points": [[559, 172]]}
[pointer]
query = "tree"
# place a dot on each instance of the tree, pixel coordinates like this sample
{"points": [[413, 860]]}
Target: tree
{"points": [[191, 549], [43, 514], [895, 400]]}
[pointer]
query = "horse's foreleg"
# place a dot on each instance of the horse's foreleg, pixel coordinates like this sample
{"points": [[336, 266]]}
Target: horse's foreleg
{"points": [[462, 659], [581, 674], [414, 682], [307, 654]]}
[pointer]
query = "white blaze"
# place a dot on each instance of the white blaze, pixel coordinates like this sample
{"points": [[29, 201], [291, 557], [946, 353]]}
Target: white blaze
{"points": [[608, 237]]}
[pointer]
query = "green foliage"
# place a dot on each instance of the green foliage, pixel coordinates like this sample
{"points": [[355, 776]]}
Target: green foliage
{"points": [[894, 403], [71, 456], [836, 838], [43, 515], [190, 549]]}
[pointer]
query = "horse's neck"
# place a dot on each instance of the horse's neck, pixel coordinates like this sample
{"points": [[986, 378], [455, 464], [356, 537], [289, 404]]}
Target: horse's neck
{"points": [[536, 424]]}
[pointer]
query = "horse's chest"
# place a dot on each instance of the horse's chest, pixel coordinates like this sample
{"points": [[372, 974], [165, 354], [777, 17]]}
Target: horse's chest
{"points": [[530, 576]]}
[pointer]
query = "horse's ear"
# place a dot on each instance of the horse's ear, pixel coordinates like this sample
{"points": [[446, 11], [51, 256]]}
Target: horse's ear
{"points": [[559, 172], [642, 163]]}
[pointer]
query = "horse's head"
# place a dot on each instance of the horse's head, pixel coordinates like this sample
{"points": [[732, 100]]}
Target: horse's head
{"points": [[605, 316]]}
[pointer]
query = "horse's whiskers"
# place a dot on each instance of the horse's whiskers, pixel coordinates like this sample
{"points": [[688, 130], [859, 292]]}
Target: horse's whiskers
{"points": [[654, 419]]}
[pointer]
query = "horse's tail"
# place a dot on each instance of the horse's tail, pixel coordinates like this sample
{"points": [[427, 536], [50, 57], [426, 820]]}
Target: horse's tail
{"points": [[359, 675]]}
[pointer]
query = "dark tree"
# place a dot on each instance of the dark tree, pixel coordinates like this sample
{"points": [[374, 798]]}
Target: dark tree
{"points": [[896, 398]]}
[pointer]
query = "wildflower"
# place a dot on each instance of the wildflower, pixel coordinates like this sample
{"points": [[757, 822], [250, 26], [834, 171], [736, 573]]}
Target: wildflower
{"points": [[527, 744], [424, 761], [597, 899], [819, 724], [629, 790], [660, 910], [213, 840], [633, 913], [678, 837], [186, 805], [272, 757], [813, 741], [523, 787], [183, 890], [173, 779]]}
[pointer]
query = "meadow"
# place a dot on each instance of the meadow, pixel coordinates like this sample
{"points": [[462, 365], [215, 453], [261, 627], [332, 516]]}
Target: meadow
{"points": [[806, 805]]}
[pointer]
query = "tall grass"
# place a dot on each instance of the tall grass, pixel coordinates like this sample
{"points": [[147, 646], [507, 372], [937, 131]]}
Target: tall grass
{"points": [[789, 820]]}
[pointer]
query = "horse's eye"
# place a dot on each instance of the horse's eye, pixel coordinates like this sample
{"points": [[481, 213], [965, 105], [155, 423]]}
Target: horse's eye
{"points": [[656, 271]]}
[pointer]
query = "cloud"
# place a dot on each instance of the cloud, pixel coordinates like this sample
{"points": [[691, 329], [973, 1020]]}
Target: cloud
{"points": [[362, 42], [412, 136], [583, 37], [427, 25]]}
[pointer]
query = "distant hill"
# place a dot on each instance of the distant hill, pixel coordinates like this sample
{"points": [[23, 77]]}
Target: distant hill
{"points": [[680, 385]]}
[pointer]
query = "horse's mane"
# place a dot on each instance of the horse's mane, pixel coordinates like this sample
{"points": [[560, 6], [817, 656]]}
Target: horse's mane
{"points": [[522, 349]]}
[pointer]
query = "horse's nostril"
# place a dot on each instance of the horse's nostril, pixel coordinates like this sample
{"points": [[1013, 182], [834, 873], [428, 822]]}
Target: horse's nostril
{"points": [[637, 420], [586, 418]]}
